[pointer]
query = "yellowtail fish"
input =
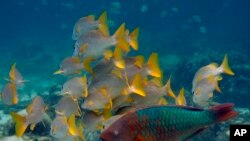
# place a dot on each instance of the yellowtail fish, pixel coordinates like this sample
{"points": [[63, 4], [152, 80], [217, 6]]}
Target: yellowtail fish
{"points": [[36, 113], [76, 87], [110, 87], [69, 66], [9, 94], [206, 81], [212, 69], [155, 93], [67, 106], [88, 23], [66, 129], [95, 44], [15, 76], [59, 127], [166, 123], [204, 91]]}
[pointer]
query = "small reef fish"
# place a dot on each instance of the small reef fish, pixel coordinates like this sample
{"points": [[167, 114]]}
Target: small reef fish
{"points": [[65, 129], [110, 87], [15, 76], [206, 81], [36, 113], [173, 123], [67, 106], [88, 23], [9, 94], [76, 87], [70, 66], [155, 93]]}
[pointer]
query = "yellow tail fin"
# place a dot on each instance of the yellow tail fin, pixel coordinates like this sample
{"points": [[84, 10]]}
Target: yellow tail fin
{"points": [[12, 72], [118, 58], [181, 100], [153, 65], [14, 91], [72, 125], [134, 39], [120, 38], [85, 83], [103, 24], [169, 90], [225, 66], [137, 85], [139, 61], [21, 125]]}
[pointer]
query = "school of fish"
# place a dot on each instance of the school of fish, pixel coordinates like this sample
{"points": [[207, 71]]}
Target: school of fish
{"points": [[124, 97]]}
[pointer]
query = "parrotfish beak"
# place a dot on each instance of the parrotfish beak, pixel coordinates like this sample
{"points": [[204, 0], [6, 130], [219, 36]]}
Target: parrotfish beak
{"points": [[58, 72]]}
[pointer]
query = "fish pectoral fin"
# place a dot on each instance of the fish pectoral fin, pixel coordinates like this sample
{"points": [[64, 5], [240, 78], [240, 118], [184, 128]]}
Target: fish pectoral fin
{"points": [[139, 138], [87, 64], [32, 126], [195, 133]]}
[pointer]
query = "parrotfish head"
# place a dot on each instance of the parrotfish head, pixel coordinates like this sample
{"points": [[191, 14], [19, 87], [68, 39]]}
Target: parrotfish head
{"points": [[117, 132]]}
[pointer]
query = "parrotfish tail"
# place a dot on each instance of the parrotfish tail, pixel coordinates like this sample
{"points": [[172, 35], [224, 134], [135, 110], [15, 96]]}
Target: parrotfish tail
{"points": [[223, 112], [21, 125]]}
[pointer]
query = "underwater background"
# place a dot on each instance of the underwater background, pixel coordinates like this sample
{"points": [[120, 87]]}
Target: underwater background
{"points": [[186, 34]]}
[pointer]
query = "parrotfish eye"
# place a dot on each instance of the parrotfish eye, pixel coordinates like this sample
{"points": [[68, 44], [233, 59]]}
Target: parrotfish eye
{"points": [[116, 133]]}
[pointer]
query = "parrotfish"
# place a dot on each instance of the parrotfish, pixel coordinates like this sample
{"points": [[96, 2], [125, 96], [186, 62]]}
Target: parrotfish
{"points": [[36, 113], [88, 23], [161, 123]]}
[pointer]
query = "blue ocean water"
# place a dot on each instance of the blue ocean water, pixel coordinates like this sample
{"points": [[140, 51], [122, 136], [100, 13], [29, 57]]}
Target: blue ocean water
{"points": [[186, 34]]}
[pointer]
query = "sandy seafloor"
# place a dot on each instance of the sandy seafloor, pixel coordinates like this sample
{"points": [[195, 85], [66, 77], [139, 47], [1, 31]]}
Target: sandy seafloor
{"points": [[37, 36]]}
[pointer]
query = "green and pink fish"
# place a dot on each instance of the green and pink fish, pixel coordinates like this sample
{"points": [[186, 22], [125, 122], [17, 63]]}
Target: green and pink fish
{"points": [[166, 123]]}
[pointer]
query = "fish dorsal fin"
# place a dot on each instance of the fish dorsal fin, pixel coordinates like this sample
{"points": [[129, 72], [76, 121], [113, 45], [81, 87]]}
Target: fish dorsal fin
{"points": [[153, 65], [139, 61]]}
